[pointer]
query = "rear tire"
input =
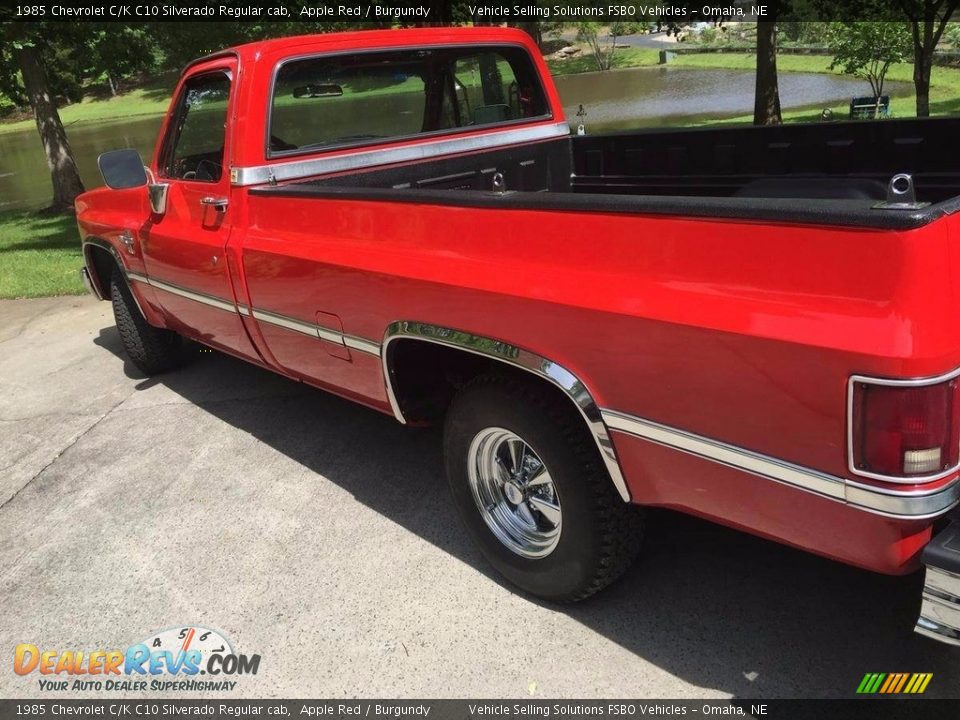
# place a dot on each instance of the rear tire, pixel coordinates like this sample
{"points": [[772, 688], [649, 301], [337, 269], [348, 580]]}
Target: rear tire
{"points": [[152, 350], [551, 523]]}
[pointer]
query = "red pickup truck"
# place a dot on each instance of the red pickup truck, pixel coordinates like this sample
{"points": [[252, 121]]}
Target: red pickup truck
{"points": [[758, 326]]}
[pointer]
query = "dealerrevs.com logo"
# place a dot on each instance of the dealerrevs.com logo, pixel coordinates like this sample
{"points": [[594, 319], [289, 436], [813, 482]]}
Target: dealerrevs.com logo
{"points": [[172, 660]]}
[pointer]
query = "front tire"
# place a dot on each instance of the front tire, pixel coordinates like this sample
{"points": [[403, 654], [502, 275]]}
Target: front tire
{"points": [[531, 489], [152, 350]]}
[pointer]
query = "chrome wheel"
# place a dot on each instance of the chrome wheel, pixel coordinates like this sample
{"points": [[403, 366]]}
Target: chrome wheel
{"points": [[514, 492]]}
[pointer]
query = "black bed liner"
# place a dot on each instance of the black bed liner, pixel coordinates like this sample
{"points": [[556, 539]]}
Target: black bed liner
{"points": [[720, 160]]}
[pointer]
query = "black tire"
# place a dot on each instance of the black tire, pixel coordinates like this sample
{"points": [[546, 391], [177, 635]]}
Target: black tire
{"points": [[600, 534], [153, 350]]}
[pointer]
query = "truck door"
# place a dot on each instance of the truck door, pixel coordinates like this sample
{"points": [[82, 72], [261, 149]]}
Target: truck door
{"points": [[185, 248]]}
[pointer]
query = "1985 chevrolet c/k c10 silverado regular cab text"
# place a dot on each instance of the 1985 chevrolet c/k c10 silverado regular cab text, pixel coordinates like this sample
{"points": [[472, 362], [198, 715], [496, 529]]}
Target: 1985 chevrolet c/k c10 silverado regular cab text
{"points": [[758, 326]]}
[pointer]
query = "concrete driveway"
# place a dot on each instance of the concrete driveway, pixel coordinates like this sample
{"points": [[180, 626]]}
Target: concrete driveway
{"points": [[319, 535]]}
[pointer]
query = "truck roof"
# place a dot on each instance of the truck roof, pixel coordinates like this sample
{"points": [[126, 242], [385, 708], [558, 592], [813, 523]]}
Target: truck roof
{"points": [[259, 62], [359, 40]]}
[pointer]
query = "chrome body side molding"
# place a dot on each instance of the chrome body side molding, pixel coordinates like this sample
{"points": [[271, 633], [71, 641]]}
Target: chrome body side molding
{"points": [[362, 345], [309, 329], [199, 297], [288, 323], [901, 504], [519, 358], [335, 162]]}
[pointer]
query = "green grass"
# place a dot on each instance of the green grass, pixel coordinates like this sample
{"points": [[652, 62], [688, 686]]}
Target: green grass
{"points": [[39, 255], [623, 58]]}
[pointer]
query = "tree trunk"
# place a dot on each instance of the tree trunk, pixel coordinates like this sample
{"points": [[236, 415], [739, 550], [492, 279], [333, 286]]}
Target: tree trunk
{"points": [[531, 28], [63, 170], [928, 20], [923, 46], [766, 106]]}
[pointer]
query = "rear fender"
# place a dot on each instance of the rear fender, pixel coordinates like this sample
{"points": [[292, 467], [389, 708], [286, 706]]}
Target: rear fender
{"points": [[516, 357]]}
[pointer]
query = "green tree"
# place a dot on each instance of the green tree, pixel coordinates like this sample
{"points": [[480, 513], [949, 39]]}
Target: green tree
{"points": [[868, 49], [589, 32], [952, 34], [23, 65], [928, 20], [115, 52]]}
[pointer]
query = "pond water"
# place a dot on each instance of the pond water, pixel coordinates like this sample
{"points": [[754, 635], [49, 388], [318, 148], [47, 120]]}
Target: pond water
{"points": [[24, 177], [615, 100], [664, 96]]}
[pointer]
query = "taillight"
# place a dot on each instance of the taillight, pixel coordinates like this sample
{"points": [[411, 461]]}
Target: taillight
{"points": [[904, 430]]}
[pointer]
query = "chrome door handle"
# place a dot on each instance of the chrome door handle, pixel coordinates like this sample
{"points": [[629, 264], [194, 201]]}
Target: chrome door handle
{"points": [[219, 203]]}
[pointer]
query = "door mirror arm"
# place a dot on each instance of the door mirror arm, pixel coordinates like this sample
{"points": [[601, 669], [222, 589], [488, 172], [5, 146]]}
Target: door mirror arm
{"points": [[157, 192]]}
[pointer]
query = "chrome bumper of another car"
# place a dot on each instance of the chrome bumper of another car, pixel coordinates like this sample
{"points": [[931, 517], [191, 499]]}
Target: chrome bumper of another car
{"points": [[940, 612]]}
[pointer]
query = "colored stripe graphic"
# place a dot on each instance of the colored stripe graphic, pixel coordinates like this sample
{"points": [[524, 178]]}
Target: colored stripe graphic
{"points": [[894, 683], [903, 681], [891, 680]]}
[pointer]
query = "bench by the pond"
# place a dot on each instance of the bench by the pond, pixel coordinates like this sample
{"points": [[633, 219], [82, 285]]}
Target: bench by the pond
{"points": [[866, 108]]}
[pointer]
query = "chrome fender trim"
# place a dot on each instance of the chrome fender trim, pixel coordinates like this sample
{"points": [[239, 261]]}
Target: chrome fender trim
{"points": [[89, 284], [97, 281], [100, 284], [519, 358]]}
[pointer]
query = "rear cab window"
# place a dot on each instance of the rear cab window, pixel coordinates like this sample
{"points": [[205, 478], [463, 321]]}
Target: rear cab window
{"points": [[367, 98]]}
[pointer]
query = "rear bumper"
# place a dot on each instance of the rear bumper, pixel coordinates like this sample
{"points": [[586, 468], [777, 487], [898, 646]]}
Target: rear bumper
{"points": [[940, 612]]}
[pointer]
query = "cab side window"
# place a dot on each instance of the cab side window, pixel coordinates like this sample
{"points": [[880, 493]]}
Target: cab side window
{"points": [[195, 150]]}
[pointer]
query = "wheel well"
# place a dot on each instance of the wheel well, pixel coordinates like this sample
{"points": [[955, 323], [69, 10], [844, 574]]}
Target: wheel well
{"points": [[101, 264], [425, 376]]}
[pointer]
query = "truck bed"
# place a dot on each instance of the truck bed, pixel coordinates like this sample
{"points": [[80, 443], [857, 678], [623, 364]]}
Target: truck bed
{"points": [[839, 170]]}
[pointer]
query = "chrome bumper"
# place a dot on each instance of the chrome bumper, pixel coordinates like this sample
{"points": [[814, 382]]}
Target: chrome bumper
{"points": [[940, 612], [91, 286]]}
